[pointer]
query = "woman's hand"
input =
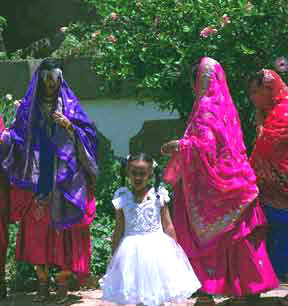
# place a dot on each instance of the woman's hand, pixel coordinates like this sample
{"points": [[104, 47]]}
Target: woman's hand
{"points": [[167, 223], [2, 135], [39, 212], [170, 147], [62, 120], [259, 131]]}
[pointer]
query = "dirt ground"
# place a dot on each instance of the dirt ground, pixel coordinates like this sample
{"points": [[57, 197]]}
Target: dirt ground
{"points": [[93, 297]]}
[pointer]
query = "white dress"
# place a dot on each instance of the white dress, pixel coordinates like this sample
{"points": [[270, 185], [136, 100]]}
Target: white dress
{"points": [[148, 267]]}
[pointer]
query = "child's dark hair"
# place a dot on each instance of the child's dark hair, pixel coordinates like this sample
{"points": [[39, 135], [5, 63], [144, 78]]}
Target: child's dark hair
{"points": [[139, 157]]}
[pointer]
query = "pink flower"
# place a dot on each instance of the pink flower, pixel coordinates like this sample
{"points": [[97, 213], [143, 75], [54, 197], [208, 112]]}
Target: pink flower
{"points": [[9, 97], [17, 103], [249, 6], [268, 77], [95, 34], [138, 3], [225, 20], [113, 16], [112, 38], [281, 64], [63, 29], [157, 21], [208, 31]]}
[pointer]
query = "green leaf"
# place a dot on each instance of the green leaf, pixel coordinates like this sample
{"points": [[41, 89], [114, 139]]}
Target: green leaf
{"points": [[186, 29], [247, 50]]}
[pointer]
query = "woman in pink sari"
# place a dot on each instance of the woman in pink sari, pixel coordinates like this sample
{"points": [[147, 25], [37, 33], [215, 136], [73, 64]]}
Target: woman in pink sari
{"points": [[218, 220]]}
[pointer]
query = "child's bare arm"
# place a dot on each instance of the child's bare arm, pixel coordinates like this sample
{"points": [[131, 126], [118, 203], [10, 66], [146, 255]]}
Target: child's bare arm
{"points": [[119, 229], [168, 226]]}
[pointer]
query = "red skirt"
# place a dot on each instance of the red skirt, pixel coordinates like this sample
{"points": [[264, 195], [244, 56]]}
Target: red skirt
{"points": [[39, 243]]}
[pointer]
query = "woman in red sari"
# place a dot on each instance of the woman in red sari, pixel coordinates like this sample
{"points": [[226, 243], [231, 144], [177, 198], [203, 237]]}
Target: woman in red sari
{"points": [[270, 162], [218, 220]]}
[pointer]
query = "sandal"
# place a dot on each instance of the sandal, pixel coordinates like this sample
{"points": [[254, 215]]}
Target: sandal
{"points": [[3, 290], [243, 300], [253, 298], [205, 300], [43, 293], [284, 300], [62, 293]]}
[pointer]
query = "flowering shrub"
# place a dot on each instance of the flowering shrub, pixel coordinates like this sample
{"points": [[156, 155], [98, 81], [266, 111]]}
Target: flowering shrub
{"points": [[3, 23], [8, 108], [154, 42], [281, 64]]}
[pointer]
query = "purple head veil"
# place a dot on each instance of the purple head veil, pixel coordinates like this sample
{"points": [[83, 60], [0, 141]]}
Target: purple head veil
{"points": [[75, 157]]}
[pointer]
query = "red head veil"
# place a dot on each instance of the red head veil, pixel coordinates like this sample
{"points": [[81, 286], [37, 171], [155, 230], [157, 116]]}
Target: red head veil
{"points": [[270, 155]]}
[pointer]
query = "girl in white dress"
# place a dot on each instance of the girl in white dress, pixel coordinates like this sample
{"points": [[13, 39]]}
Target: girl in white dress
{"points": [[148, 266]]}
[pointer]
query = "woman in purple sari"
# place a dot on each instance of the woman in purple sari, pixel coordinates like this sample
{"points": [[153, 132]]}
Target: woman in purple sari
{"points": [[218, 220], [50, 152]]}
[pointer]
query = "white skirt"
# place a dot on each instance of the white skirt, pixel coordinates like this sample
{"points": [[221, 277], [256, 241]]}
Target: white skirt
{"points": [[150, 269]]}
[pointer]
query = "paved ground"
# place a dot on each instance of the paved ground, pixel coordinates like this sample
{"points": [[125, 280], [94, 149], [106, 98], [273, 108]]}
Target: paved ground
{"points": [[93, 297]]}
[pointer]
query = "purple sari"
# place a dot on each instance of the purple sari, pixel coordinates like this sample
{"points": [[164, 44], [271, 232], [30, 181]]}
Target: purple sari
{"points": [[75, 157]]}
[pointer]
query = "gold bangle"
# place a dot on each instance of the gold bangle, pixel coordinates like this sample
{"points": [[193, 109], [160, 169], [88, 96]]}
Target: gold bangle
{"points": [[68, 125], [177, 146]]}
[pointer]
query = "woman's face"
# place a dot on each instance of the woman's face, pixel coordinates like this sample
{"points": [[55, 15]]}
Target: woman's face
{"points": [[260, 95], [50, 84]]}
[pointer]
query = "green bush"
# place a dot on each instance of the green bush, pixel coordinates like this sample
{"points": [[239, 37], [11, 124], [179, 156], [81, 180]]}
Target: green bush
{"points": [[154, 42], [8, 108], [3, 23]]}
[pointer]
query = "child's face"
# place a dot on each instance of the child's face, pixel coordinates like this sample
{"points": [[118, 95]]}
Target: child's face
{"points": [[139, 173]]}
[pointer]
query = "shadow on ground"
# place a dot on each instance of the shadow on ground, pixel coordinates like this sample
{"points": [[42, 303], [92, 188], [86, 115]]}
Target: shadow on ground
{"points": [[93, 297]]}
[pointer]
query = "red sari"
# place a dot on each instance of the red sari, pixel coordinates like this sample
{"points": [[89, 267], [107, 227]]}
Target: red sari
{"points": [[270, 162], [39, 243], [270, 155]]}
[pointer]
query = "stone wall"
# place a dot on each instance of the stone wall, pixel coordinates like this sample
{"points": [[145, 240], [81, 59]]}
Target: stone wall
{"points": [[15, 77], [123, 124], [154, 133]]}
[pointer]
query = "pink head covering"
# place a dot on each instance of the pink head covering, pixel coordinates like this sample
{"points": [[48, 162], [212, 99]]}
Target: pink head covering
{"points": [[218, 182]]}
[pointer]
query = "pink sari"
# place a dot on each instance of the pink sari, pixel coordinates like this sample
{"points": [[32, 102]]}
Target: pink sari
{"points": [[216, 211]]}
